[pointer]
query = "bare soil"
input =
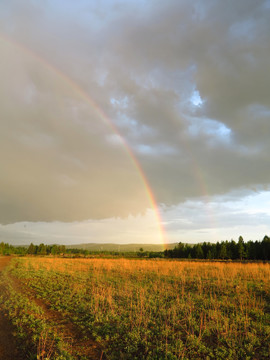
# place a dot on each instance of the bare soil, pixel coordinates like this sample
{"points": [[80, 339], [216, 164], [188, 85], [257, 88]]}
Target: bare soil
{"points": [[8, 346]]}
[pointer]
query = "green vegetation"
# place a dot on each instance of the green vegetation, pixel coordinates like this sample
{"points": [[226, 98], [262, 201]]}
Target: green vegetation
{"points": [[7, 249], [142, 309], [46, 249], [226, 250], [251, 250]]}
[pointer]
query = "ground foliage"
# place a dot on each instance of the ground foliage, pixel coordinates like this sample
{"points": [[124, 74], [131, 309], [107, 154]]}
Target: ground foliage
{"points": [[147, 309]]}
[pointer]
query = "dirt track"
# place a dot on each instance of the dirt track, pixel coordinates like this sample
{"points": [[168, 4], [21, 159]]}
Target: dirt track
{"points": [[8, 346], [4, 261]]}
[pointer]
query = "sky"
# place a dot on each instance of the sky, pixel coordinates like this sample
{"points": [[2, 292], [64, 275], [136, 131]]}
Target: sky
{"points": [[134, 121]]}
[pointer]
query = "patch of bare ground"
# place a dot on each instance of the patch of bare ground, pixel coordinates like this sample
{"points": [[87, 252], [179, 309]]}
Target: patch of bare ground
{"points": [[9, 349], [78, 344]]}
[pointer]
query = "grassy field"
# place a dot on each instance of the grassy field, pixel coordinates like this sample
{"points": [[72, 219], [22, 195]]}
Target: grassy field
{"points": [[138, 309]]}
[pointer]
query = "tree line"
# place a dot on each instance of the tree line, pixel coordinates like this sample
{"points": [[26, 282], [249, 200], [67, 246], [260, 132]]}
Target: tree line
{"points": [[41, 249], [225, 250], [7, 249]]}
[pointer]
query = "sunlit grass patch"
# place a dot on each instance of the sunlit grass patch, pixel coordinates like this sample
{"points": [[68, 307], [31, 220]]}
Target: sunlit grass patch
{"points": [[149, 309]]}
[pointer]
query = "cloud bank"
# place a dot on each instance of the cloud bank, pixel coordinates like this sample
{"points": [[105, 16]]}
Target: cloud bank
{"points": [[186, 84]]}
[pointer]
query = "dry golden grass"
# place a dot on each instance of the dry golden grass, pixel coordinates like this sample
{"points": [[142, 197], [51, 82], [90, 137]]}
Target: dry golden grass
{"points": [[163, 309], [203, 270]]}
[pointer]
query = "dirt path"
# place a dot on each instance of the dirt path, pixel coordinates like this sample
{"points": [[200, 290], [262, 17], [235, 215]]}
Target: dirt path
{"points": [[78, 344], [4, 261], [8, 346]]}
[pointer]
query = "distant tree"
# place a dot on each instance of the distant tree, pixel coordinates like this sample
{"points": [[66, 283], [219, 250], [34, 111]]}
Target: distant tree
{"points": [[199, 252], [223, 251], [62, 249], [228, 250], [233, 249], [266, 248], [218, 247], [42, 249], [205, 249], [241, 248], [2, 248], [31, 249], [214, 251], [55, 250], [249, 250], [180, 250]]}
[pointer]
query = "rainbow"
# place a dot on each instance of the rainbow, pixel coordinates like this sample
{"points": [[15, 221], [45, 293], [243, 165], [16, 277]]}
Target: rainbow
{"points": [[83, 94]]}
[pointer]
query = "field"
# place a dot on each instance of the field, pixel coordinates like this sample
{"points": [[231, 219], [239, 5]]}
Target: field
{"points": [[138, 309]]}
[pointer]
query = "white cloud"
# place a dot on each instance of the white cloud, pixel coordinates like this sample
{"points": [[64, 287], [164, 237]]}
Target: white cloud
{"points": [[220, 218], [195, 98]]}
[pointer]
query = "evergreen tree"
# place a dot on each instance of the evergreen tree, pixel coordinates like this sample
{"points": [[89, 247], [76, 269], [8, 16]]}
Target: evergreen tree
{"points": [[223, 251], [42, 249], [266, 248], [241, 248], [181, 250], [233, 249], [31, 249], [55, 250], [199, 252]]}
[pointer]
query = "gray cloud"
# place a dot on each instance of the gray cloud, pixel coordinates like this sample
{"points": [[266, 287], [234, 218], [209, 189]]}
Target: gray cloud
{"points": [[141, 65]]}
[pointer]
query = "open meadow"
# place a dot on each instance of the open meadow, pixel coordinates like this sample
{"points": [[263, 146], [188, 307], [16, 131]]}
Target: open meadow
{"points": [[138, 309]]}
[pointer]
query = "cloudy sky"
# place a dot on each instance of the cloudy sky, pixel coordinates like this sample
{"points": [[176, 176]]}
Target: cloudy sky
{"points": [[109, 109]]}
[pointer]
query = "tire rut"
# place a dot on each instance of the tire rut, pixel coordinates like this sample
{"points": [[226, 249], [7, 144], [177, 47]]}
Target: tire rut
{"points": [[78, 343]]}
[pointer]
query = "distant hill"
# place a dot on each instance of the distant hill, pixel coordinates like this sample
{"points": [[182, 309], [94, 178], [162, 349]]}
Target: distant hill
{"points": [[121, 247]]}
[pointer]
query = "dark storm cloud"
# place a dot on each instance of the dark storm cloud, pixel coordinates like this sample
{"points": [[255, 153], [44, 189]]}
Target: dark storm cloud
{"points": [[141, 63]]}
